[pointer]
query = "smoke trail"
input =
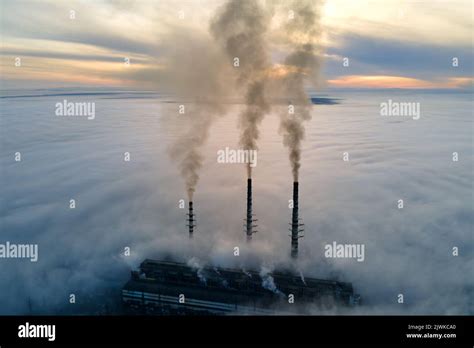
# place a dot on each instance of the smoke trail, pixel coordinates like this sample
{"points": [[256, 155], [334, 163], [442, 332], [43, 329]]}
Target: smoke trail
{"points": [[187, 149], [196, 264], [240, 28], [195, 74], [268, 282], [302, 277], [223, 281], [303, 33], [246, 273]]}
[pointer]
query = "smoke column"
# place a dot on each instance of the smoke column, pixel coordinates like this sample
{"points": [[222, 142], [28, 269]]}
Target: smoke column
{"points": [[195, 75], [240, 28], [303, 63], [187, 150]]}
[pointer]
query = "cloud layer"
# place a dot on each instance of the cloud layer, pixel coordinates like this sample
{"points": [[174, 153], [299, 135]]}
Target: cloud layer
{"points": [[135, 203]]}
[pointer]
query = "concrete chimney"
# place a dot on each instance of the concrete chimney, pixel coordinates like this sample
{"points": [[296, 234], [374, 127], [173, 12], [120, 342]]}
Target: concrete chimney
{"points": [[295, 222], [249, 226], [191, 220]]}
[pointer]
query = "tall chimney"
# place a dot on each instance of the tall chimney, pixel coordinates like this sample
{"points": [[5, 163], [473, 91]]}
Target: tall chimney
{"points": [[191, 220], [249, 226], [295, 223]]}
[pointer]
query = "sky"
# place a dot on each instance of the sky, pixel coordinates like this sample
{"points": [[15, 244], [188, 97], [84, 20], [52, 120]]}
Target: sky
{"points": [[389, 44]]}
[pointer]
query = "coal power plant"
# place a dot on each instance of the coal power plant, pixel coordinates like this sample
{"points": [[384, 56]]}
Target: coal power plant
{"points": [[172, 288], [164, 287]]}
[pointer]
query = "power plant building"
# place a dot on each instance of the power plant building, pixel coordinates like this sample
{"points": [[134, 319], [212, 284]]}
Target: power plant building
{"points": [[164, 287]]}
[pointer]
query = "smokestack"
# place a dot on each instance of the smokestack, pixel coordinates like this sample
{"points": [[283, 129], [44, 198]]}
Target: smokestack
{"points": [[295, 223], [191, 220], [249, 226]]}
